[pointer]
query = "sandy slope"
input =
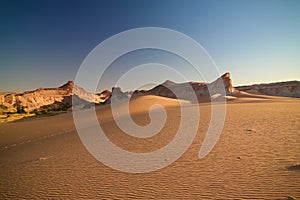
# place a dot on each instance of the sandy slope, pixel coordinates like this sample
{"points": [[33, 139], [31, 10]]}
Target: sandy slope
{"points": [[44, 158]]}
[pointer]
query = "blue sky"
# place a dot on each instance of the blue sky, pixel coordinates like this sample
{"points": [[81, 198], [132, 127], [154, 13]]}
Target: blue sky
{"points": [[43, 43]]}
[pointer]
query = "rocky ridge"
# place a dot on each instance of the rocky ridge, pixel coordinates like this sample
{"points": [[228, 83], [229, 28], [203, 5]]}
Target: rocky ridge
{"points": [[31, 100], [284, 89], [221, 87]]}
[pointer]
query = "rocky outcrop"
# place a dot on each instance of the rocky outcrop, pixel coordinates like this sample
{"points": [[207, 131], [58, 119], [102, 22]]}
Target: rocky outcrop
{"points": [[285, 89], [117, 95], [70, 93], [222, 85], [104, 96], [36, 99]]}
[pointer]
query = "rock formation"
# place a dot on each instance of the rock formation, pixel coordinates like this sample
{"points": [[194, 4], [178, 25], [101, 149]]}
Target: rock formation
{"points": [[104, 96], [222, 86], [285, 89], [36, 99], [117, 95], [71, 93]]}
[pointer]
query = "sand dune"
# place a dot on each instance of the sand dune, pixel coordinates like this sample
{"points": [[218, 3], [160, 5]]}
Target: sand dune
{"points": [[44, 158]]}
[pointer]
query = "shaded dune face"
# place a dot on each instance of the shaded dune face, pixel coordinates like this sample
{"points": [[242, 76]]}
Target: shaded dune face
{"points": [[139, 108]]}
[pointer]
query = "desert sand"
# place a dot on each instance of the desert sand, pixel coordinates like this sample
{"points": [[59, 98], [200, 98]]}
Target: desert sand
{"points": [[43, 157]]}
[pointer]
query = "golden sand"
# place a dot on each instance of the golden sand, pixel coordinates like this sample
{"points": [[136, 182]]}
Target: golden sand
{"points": [[44, 157]]}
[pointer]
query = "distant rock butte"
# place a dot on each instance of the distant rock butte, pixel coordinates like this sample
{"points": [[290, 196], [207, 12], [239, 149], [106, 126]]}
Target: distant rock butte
{"points": [[117, 95], [204, 92], [285, 89], [46, 96], [222, 85]]}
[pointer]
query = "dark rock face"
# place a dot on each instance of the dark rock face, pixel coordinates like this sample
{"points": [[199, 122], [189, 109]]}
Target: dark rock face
{"points": [[104, 96], [285, 89]]}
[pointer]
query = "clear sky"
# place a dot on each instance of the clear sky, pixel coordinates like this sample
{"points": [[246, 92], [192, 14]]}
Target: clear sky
{"points": [[43, 43]]}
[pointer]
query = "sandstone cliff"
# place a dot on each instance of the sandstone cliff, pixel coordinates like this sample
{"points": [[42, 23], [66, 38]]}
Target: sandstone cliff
{"points": [[36, 99], [31, 100], [203, 91]]}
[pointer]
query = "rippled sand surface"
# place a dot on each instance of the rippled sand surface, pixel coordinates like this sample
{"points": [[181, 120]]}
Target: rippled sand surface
{"points": [[44, 157]]}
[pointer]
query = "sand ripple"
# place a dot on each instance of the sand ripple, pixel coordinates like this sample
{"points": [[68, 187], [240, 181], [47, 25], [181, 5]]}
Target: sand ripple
{"points": [[243, 165]]}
